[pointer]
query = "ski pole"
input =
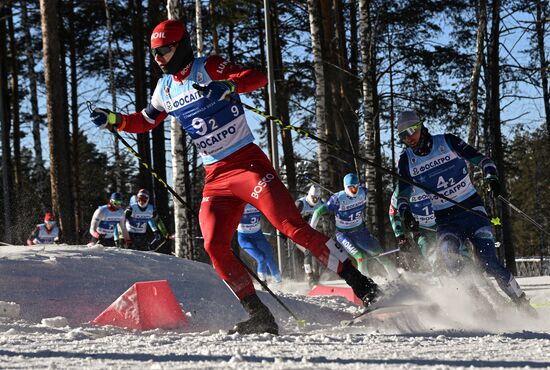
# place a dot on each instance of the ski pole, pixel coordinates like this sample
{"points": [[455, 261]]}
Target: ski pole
{"points": [[427, 228], [170, 237], [146, 165], [523, 214], [300, 322], [383, 254], [494, 220]]}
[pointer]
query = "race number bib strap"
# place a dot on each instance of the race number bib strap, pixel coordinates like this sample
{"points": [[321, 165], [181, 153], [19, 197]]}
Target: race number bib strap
{"points": [[337, 254]]}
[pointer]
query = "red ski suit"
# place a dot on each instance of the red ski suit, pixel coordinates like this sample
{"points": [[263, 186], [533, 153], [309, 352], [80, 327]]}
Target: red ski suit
{"points": [[244, 176]]}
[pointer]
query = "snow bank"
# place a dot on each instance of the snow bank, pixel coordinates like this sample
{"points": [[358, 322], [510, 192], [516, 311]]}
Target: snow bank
{"points": [[78, 283]]}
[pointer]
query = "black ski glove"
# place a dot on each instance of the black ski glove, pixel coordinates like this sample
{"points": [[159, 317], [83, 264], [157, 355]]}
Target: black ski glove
{"points": [[409, 221], [494, 185], [403, 243]]}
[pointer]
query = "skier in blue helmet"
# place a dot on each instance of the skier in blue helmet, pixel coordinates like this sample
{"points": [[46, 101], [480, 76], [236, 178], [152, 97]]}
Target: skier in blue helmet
{"points": [[351, 184], [107, 222], [348, 207]]}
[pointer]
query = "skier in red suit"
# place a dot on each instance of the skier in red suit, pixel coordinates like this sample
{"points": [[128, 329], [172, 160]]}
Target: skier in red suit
{"points": [[237, 170]]}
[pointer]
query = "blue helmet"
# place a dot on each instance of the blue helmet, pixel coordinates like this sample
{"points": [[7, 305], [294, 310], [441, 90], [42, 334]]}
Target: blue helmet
{"points": [[116, 196], [116, 199], [351, 184]]}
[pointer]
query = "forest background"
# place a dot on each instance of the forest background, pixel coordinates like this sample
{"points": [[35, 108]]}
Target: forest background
{"points": [[343, 69]]}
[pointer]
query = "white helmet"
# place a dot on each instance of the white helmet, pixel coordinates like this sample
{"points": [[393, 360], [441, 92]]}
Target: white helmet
{"points": [[313, 195]]}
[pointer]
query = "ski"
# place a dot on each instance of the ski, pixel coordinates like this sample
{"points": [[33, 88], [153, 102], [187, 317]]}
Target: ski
{"points": [[386, 311]]}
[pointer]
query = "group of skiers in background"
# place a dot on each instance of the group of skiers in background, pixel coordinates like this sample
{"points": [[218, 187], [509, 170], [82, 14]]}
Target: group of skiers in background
{"points": [[203, 95], [112, 225], [135, 227]]}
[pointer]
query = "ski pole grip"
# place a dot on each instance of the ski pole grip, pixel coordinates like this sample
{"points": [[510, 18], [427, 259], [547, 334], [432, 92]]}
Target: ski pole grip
{"points": [[198, 87]]}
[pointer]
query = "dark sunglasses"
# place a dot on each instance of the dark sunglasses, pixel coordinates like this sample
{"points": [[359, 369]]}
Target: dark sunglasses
{"points": [[163, 50], [117, 202], [409, 131]]}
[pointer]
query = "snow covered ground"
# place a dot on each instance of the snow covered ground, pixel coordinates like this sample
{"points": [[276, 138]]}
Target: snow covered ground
{"points": [[59, 289]]}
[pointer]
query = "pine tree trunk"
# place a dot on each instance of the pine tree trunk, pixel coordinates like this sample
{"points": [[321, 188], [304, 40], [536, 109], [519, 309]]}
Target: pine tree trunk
{"points": [[158, 135], [33, 97], [214, 30], [60, 165], [74, 122], [180, 172], [112, 90], [474, 81], [282, 96], [348, 92], [496, 136], [16, 132], [335, 166], [541, 19], [7, 181], [140, 90], [320, 97], [198, 28], [372, 122], [15, 109], [392, 106]]}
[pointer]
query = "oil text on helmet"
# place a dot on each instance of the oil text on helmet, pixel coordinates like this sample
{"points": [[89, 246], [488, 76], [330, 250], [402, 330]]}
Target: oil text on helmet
{"points": [[261, 185], [158, 35]]}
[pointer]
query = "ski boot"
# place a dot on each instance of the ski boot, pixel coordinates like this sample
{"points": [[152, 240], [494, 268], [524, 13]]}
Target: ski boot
{"points": [[363, 287], [261, 320], [523, 305], [312, 279], [262, 276]]}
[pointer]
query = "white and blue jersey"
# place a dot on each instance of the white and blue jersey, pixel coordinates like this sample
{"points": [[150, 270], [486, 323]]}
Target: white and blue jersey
{"points": [[217, 128], [420, 205], [105, 221], [421, 208], [250, 221], [442, 170], [307, 209], [41, 235], [348, 211], [137, 218]]}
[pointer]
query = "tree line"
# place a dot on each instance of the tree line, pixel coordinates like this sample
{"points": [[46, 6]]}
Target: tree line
{"points": [[343, 69]]}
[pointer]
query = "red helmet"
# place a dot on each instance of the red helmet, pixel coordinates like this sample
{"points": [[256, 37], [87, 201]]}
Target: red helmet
{"points": [[168, 34], [142, 197], [48, 217]]}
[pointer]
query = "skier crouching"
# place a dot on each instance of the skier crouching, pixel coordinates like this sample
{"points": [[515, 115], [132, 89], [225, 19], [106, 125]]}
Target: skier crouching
{"points": [[438, 162]]}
